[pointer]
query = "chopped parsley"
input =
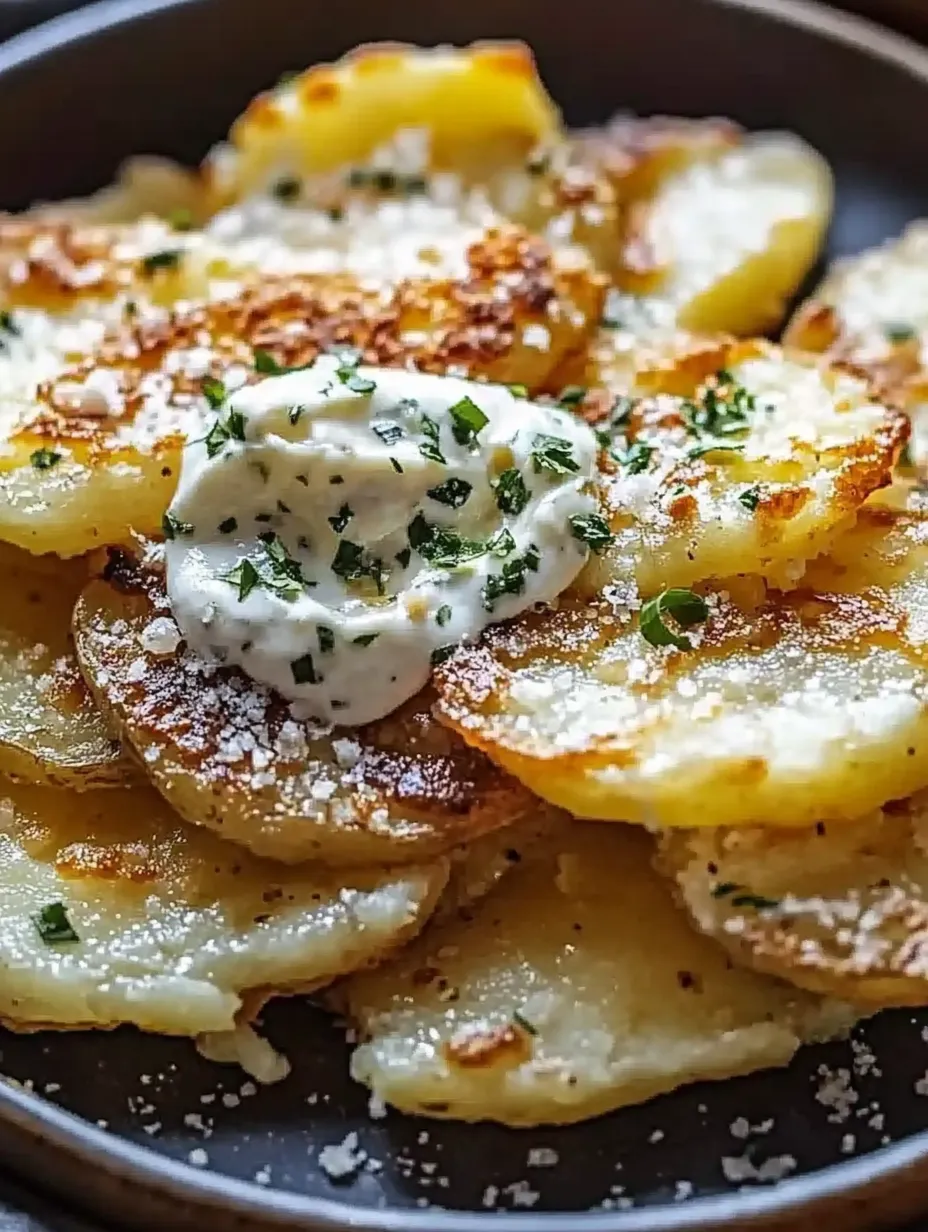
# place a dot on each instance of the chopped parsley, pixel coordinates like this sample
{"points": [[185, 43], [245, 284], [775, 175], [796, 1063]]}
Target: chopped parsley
{"points": [[349, 376], [396, 466], [286, 578], [572, 395], [722, 410], [303, 670], [326, 638], [181, 219], [512, 579], [352, 563], [443, 615], [591, 529], [898, 331], [8, 325], [265, 363], [511, 493], [44, 459], [229, 526], [467, 421], [296, 413], [429, 447], [637, 457], [750, 498], [502, 543], [521, 1021], [167, 259], [685, 606], [553, 454], [440, 654], [172, 526], [287, 188], [453, 492], [388, 432], [245, 576], [214, 392], [341, 519], [53, 925], [440, 545], [364, 639], [223, 431], [724, 888]]}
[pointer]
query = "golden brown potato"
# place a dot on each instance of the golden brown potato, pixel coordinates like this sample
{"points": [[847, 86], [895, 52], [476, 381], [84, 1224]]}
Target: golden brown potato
{"points": [[758, 707], [229, 755], [113, 911], [50, 728], [98, 452], [576, 988], [838, 909]]}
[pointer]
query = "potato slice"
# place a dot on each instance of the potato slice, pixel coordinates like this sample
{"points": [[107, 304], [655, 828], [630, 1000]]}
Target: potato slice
{"points": [[723, 243], [575, 989], [176, 929], [50, 728], [872, 311], [838, 909], [116, 418], [230, 755], [740, 458], [480, 107], [787, 709]]}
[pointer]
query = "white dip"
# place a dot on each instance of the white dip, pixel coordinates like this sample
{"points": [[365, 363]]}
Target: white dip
{"points": [[341, 527]]}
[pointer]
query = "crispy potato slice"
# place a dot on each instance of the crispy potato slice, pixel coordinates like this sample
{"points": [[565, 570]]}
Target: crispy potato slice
{"points": [[176, 928], [838, 909], [722, 242], [50, 728], [575, 989], [117, 416], [788, 708], [872, 311], [738, 458], [230, 755], [481, 107]]}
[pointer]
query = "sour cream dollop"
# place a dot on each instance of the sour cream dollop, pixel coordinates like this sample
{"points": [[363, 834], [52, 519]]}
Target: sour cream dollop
{"points": [[340, 527]]}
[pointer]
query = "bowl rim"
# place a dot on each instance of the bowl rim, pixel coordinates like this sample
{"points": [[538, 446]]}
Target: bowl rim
{"points": [[144, 1169]]}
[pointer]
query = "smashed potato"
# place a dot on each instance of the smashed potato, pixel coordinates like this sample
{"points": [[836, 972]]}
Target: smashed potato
{"points": [[737, 458], [576, 989], [50, 728], [838, 909], [114, 911], [232, 756], [769, 708]]}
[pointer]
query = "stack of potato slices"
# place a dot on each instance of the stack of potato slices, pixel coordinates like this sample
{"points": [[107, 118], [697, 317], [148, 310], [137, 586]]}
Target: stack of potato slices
{"points": [[527, 885]]}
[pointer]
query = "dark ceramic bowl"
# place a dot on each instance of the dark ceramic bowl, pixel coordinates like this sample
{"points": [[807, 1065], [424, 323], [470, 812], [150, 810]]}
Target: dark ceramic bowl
{"points": [[845, 1123]]}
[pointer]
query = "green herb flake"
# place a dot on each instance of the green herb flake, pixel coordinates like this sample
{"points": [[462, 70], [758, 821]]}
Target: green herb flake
{"points": [[167, 259], [685, 606], [287, 188], [173, 527], [341, 519], [700, 451], [591, 529], [303, 670], [750, 498], [429, 447], [265, 363], [214, 391], [572, 395], [724, 888], [453, 492], [245, 576], [364, 639], [441, 546], [637, 458], [553, 454], [353, 380], [898, 332], [522, 1022], [441, 654], [443, 615], [511, 493], [511, 581], [53, 925], [396, 466], [181, 219], [518, 391], [44, 459], [326, 638], [467, 421], [502, 543], [8, 324], [229, 526], [757, 902], [351, 563]]}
